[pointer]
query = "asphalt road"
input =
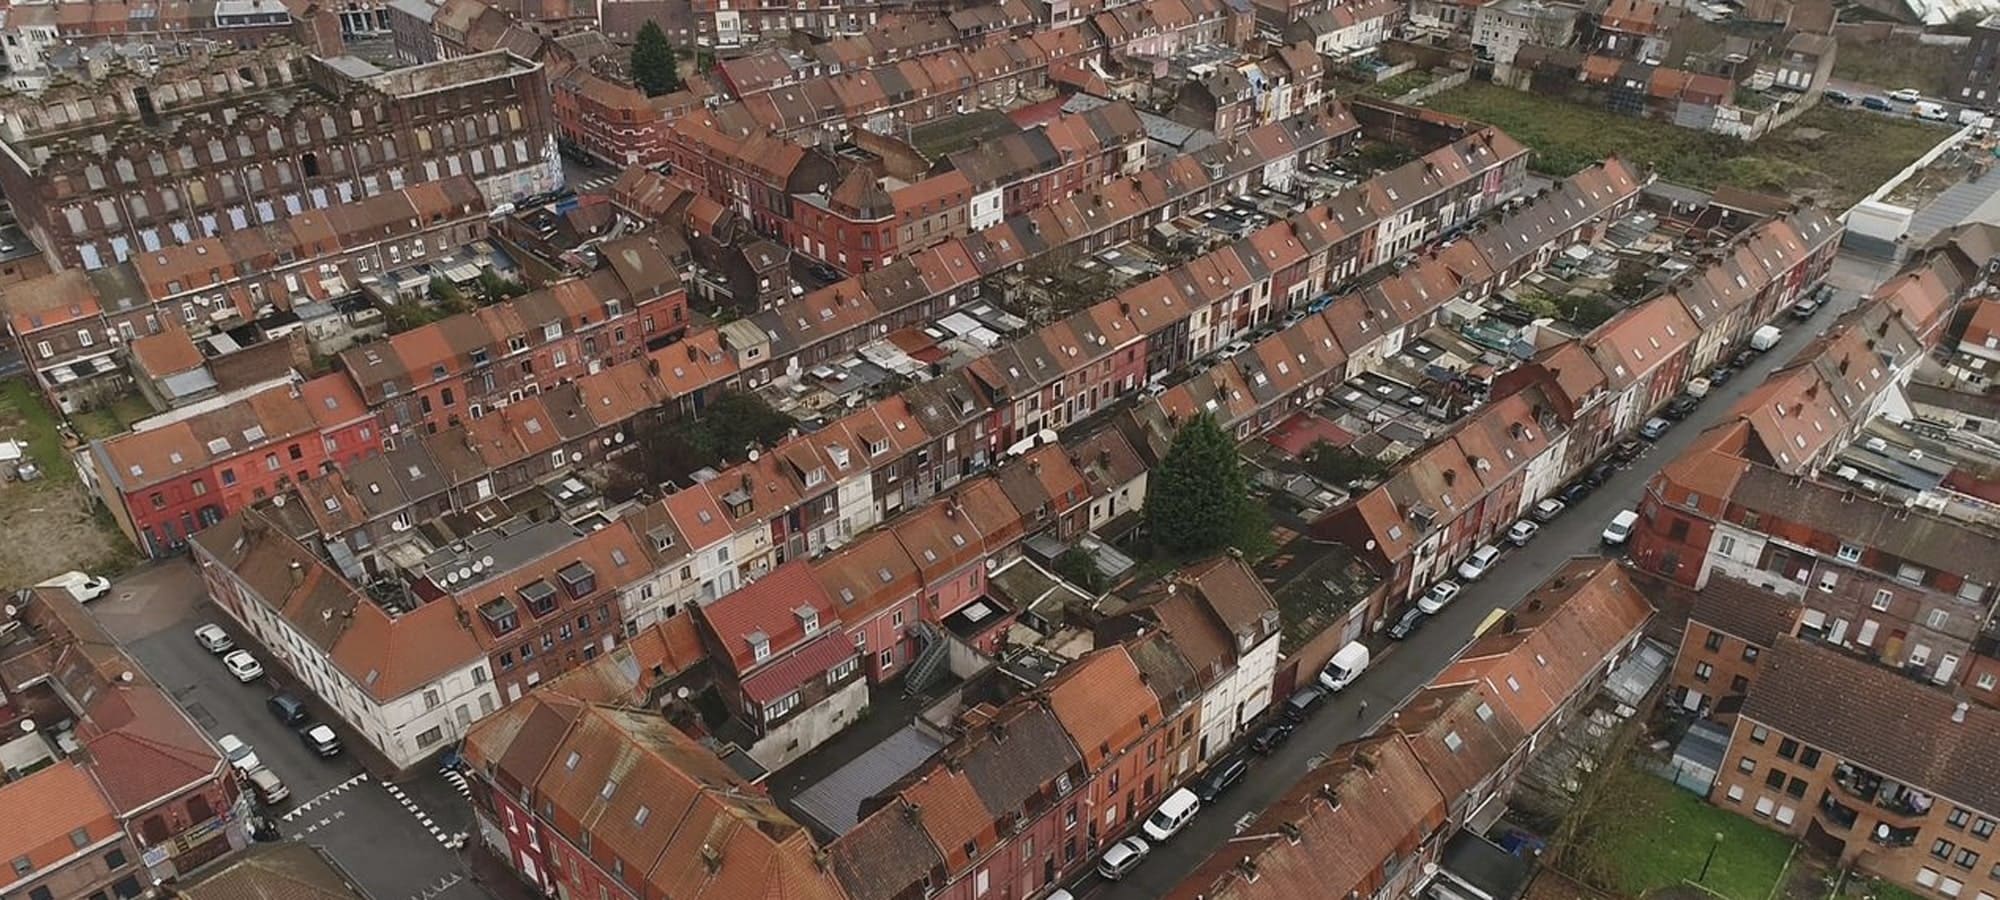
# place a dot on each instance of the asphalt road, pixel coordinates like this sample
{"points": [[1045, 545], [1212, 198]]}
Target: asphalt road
{"points": [[376, 833], [1401, 669]]}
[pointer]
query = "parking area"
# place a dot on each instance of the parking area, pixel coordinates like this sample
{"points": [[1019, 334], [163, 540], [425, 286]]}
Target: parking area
{"points": [[398, 838]]}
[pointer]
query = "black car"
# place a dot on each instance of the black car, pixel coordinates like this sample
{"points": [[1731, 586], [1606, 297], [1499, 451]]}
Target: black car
{"points": [[1720, 376], [1877, 104], [1302, 702], [1407, 623], [1626, 451], [288, 709], [1267, 738], [1576, 491], [1221, 777], [1680, 406], [1742, 358], [1600, 473], [1837, 97]]}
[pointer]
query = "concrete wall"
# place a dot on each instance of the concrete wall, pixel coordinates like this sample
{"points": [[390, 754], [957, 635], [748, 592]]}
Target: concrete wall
{"points": [[809, 729]]}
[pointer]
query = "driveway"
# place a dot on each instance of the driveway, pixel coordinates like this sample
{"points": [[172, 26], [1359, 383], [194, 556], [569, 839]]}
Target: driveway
{"points": [[392, 837], [1403, 668]]}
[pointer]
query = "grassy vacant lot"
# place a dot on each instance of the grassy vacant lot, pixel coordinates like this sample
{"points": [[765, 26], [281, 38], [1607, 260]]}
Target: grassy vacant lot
{"points": [[1896, 61], [52, 525], [1655, 836], [1835, 156]]}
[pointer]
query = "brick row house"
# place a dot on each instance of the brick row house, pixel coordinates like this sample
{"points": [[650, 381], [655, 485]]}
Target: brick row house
{"points": [[73, 326], [1895, 582], [186, 470], [1372, 818], [127, 790]]}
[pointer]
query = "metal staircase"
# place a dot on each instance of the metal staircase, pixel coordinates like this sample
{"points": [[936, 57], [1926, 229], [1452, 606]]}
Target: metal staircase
{"points": [[930, 661]]}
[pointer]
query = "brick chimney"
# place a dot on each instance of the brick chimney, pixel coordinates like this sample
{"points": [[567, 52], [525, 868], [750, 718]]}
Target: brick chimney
{"points": [[317, 28]]}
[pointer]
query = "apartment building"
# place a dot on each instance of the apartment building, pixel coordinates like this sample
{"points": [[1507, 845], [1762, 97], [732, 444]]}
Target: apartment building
{"points": [[90, 196], [1731, 627], [1887, 773]]}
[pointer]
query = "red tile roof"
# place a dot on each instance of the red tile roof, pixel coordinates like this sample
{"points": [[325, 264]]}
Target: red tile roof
{"points": [[799, 667], [768, 606]]}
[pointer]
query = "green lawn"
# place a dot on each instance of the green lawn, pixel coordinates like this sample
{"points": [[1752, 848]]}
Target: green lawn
{"points": [[1670, 834], [112, 420], [1834, 155], [23, 417]]}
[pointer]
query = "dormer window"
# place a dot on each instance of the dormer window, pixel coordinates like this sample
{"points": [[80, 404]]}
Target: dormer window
{"points": [[500, 615], [579, 579], [815, 477], [541, 598], [808, 620], [760, 645], [662, 540]]}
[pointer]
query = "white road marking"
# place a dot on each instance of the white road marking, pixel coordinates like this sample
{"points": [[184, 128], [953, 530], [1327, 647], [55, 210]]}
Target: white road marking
{"points": [[324, 796]]}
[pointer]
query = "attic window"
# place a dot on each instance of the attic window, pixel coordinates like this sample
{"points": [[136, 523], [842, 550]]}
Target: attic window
{"points": [[883, 573], [610, 787], [639, 818], [760, 645], [570, 763], [1513, 685], [1452, 741], [1485, 712]]}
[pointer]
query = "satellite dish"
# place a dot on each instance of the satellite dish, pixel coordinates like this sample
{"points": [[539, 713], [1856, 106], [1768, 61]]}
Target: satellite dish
{"points": [[464, 572], [576, 457], [486, 561], [681, 692], [28, 726], [12, 610]]}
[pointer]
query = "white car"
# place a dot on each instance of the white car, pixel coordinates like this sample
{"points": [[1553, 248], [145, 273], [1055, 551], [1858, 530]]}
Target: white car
{"points": [[1907, 95], [1522, 532], [240, 754], [214, 639], [1233, 349], [83, 587], [1123, 857], [1548, 509], [245, 667], [1438, 596], [1174, 813], [1477, 564]]}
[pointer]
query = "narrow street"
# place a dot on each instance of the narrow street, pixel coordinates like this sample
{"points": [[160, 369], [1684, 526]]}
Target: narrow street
{"points": [[377, 831], [1403, 668]]}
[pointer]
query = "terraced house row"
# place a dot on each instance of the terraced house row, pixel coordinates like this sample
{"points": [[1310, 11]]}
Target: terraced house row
{"points": [[815, 493]]}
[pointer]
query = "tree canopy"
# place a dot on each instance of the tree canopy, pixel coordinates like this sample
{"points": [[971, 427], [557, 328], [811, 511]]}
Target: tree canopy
{"points": [[654, 67], [1198, 500]]}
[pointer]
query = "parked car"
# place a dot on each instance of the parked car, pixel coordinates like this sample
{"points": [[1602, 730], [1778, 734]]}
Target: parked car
{"points": [[1720, 375], [241, 755], [81, 586], [1627, 450], [1620, 529], [1601, 473], [1222, 776], [1805, 308], [245, 667], [1655, 428], [1171, 815], [1906, 95], [213, 638], [1877, 104], [289, 709], [1576, 491], [1481, 560], [320, 739], [1837, 97], [1742, 358], [1301, 703], [1548, 509], [1679, 407], [1520, 533], [269, 789], [1439, 596], [1123, 857], [1407, 624], [1233, 349], [1274, 733], [1346, 665]]}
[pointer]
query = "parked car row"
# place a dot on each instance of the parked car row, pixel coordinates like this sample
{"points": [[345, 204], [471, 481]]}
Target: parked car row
{"points": [[317, 737]]}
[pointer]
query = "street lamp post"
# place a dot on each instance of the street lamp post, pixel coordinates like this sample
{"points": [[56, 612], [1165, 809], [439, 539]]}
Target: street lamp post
{"points": [[1711, 858]]}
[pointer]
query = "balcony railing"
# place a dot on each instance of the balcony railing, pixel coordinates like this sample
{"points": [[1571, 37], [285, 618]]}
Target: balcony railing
{"points": [[1837, 813]]}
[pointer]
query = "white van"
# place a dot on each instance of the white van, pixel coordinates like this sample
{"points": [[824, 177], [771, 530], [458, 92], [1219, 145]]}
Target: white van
{"points": [[1178, 809], [1346, 665], [1765, 338], [1620, 528], [84, 588]]}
